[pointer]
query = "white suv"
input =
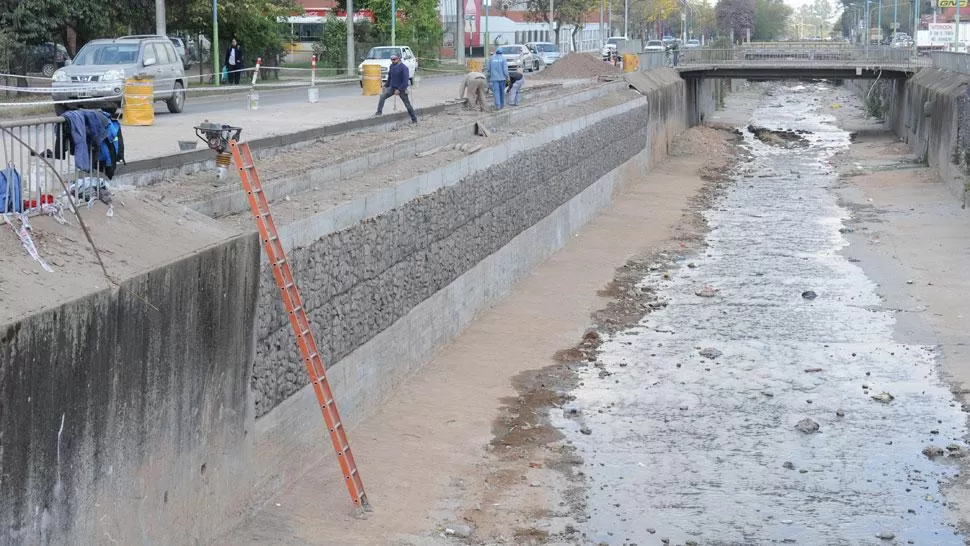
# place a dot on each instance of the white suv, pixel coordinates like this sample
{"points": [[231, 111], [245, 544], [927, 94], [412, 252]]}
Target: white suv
{"points": [[381, 56], [612, 44]]}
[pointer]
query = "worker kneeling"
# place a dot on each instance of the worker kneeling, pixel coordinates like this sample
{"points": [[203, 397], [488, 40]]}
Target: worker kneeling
{"points": [[473, 90], [514, 87]]}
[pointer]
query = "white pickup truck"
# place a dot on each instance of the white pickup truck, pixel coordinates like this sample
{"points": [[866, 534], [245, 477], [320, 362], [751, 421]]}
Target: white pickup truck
{"points": [[381, 56]]}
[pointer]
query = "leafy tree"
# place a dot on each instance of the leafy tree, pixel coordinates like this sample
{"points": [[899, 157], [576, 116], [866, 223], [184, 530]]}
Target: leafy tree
{"points": [[771, 19], [735, 15], [565, 12]]}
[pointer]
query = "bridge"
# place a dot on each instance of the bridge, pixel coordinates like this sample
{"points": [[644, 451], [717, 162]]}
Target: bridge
{"points": [[780, 60]]}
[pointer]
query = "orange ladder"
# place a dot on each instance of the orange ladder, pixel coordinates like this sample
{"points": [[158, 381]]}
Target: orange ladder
{"points": [[259, 205]]}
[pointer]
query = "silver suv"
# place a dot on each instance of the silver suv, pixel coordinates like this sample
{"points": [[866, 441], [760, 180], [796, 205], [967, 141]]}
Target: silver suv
{"points": [[101, 67]]}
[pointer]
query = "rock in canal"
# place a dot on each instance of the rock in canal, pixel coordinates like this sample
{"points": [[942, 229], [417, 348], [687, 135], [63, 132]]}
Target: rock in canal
{"points": [[883, 397], [706, 292], [809, 295], [807, 425], [710, 352]]}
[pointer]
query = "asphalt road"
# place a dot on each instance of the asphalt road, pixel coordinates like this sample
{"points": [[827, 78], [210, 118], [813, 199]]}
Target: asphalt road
{"points": [[275, 97]]}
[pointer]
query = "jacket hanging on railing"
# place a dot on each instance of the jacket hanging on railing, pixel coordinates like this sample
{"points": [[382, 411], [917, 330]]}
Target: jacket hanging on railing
{"points": [[88, 130]]}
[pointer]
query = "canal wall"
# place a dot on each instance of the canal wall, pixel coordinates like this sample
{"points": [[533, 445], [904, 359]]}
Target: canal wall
{"points": [[124, 422], [931, 112]]}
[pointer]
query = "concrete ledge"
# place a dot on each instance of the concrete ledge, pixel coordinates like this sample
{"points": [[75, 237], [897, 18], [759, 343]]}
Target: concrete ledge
{"points": [[235, 201]]}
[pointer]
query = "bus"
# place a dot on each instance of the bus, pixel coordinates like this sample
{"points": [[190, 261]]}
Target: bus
{"points": [[306, 29]]}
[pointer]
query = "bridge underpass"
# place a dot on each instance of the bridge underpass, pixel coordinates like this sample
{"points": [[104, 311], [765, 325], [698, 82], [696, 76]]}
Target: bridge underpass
{"points": [[700, 67]]}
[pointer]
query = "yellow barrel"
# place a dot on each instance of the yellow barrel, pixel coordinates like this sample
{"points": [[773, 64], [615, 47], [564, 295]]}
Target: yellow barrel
{"points": [[629, 62], [138, 102], [476, 65], [372, 80]]}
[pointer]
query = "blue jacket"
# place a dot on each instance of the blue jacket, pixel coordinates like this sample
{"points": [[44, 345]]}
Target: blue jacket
{"points": [[397, 76], [87, 132], [498, 69]]}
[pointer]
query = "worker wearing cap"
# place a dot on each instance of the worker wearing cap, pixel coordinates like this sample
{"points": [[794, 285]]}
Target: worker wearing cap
{"points": [[498, 76], [474, 85], [397, 84]]}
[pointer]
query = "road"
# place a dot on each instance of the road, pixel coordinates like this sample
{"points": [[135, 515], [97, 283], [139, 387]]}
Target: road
{"points": [[280, 97]]}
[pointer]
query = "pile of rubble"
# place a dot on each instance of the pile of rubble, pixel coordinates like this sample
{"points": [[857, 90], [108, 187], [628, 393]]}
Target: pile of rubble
{"points": [[578, 66]]}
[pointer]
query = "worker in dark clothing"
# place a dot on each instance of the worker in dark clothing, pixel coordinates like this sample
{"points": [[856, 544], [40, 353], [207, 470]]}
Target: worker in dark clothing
{"points": [[514, 86], [397, 84], [234, 62]]}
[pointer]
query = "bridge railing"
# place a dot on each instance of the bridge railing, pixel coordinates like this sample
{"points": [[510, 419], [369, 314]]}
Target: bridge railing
{"points": [[952, 61], [781, 55]]}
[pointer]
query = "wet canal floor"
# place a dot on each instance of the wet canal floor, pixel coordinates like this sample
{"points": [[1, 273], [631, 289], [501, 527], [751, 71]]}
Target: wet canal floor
{"points": [[765, 399]]}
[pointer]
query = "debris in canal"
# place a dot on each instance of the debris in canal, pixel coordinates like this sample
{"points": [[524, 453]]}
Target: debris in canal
{"points": [[807, 425], [710, 353], [883, 397], [781, 138], [809, 295], [706, 292]]}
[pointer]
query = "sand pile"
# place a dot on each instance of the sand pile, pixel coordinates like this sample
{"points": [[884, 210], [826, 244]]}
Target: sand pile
{"points": [[579, 65]]}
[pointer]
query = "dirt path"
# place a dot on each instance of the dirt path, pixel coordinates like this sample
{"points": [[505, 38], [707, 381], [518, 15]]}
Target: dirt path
{"points": [[454, 448]]}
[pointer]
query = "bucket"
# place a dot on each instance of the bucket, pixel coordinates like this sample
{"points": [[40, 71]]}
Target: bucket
{"points": [[138, 102], [253, 103], [313, 94]]}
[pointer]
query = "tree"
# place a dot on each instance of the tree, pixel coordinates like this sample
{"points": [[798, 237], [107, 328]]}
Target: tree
{"points": [[565, 12], [735, 16], [771, 19]]}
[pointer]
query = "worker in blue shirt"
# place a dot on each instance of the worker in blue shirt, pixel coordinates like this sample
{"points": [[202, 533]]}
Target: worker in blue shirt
{"points": [[498, 76], [397, 84]]}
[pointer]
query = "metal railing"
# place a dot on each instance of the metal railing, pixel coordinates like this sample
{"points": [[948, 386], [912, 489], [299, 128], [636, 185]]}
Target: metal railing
{"points": [[784, 55], [35, 156], [952, 61]]}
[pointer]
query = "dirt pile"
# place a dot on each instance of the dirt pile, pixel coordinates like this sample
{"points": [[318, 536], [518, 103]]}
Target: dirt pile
{"points": [[580, 65]]}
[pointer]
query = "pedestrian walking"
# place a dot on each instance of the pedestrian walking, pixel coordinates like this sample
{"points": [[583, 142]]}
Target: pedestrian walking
{"points": [[516, 80], [397, 85], [498, 77], [234, 62], [474, 86]]}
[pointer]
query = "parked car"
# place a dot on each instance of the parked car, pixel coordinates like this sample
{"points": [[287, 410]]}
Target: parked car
{"points": [[519, 57], [612, 45], [101, 67], [547, 52], [47, 57], [183, 52], [692, 43], [381, 56], [654, 45]]}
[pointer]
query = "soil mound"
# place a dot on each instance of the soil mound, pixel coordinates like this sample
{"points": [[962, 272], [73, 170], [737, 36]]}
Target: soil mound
{"points": [[580, 65]]}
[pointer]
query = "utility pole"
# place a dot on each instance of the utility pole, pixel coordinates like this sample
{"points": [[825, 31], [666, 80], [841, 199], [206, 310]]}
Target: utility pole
{"points": [[552, 30], [626, 19], [160, 17], [214, 46], [393, 20], [956, 24], [487, 43], [350, 38], [602, 22], [460, 31]]}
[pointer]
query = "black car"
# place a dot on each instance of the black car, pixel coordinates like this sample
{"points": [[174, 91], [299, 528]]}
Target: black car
{"points": [[46, 58]]}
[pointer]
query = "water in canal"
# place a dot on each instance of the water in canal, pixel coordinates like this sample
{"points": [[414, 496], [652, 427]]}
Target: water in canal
{"points": [[685, 447]]}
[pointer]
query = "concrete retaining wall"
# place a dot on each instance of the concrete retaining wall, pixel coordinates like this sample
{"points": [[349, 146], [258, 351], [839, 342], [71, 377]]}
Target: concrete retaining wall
{"points": [[134, 423], [368, 263], [930, 112], [124, 415]]}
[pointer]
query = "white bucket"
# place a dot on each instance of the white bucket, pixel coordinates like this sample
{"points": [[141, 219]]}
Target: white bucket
{"points": [[253, 100], [313, 94]]}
